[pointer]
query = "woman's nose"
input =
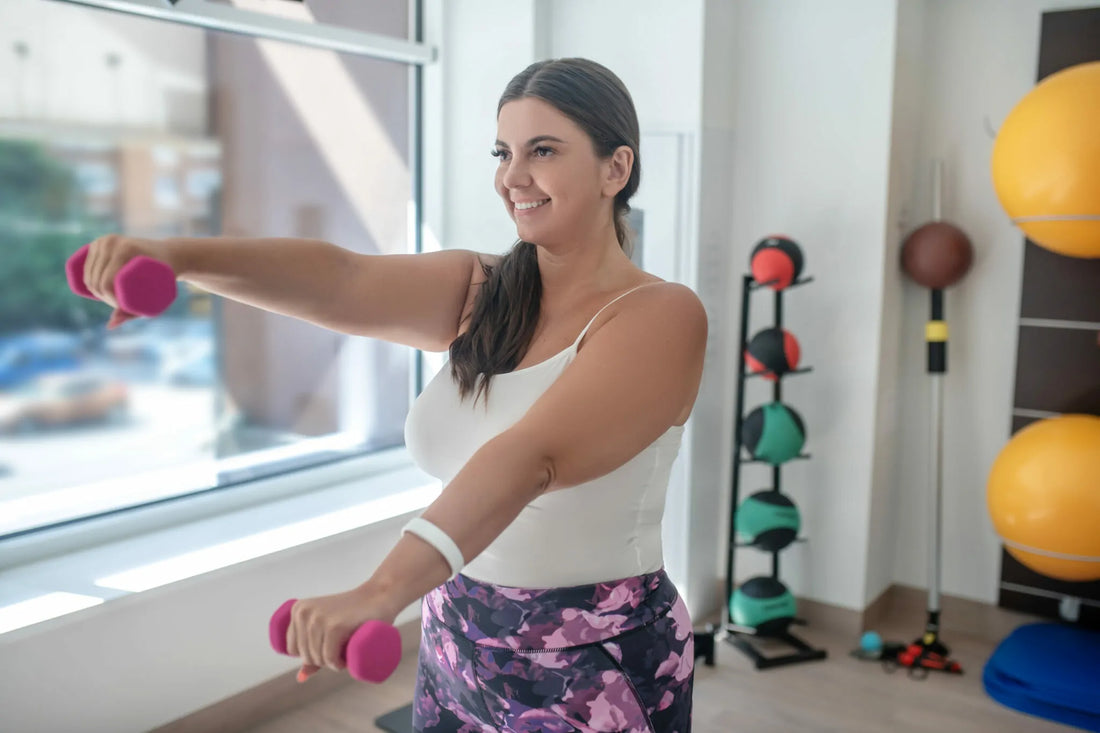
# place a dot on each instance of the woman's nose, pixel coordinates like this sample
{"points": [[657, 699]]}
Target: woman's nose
{"points": [[516, 175]]}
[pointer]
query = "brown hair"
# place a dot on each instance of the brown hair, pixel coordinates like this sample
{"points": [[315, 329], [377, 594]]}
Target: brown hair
{"points": [[506, 310]]}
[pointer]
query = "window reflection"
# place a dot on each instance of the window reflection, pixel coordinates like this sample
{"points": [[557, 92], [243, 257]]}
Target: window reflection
{"points": [[156, 130]]}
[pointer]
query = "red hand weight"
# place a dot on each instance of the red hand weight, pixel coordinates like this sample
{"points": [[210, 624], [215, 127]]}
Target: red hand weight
{"points": [[372, 653], [144, 286]]}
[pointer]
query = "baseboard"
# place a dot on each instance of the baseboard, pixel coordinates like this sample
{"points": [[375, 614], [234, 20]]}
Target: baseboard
{"points": [[276, 696], [835, 619], [957, 615], [903, 604]]}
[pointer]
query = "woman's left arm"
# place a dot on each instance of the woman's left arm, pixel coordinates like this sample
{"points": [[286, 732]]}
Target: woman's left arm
{"points": [[625, 388]]}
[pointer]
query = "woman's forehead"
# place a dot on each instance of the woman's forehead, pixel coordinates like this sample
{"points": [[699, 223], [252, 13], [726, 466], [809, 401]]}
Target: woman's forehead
{"points": [[523, 119]]}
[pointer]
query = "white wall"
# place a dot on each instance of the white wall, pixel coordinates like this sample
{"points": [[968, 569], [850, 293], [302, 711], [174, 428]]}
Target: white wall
{"points": [[654, 46], [712, 419], [905, 164], [146, 659], [979, 58], [483, 44], [813, 87], [834, 140]]}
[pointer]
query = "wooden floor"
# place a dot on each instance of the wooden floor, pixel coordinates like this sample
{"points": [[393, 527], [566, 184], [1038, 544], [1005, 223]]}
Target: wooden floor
{"points": [[839, 694]]}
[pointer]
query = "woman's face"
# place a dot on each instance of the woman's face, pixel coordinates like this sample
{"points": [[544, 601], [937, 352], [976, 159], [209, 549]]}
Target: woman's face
{"points": [[553, 184]]}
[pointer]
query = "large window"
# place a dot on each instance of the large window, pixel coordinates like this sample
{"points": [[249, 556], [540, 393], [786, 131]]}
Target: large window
{"points": [[112, 122]]}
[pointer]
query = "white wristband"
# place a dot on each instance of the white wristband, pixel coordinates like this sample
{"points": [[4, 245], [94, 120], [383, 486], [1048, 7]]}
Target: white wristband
{"points": [[438, 539]]}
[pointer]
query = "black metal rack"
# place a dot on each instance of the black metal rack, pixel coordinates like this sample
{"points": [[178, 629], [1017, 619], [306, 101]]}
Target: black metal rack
{"points": [[741, 636]]}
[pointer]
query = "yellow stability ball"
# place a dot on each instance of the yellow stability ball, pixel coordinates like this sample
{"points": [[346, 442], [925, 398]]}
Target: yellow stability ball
{"points": [[1046, 162], [1044, 497]]}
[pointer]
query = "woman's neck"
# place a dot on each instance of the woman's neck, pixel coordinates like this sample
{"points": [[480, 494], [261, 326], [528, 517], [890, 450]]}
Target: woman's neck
{"points": [[573, 273]]}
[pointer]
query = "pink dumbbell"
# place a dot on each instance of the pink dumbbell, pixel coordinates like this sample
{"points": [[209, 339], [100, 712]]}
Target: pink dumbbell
{"points": [[372, 653], [144, 286]]}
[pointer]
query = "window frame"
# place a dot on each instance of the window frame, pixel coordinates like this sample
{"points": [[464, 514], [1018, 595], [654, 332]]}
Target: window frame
{"points": [[35, 544], [219, 17]]}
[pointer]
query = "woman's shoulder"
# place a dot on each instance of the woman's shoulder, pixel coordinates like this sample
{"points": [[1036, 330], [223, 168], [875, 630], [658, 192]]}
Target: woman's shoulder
{"points": [[654, 289], [657, 303], [676, 301], [648, 292]]}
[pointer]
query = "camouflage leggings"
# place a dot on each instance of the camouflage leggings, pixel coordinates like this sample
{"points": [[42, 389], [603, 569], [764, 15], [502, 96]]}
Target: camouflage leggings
{"points": [[615, 656]]}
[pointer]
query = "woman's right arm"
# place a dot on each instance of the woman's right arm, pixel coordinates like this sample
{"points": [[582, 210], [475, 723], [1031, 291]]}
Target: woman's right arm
{"points": [[416, 299]]}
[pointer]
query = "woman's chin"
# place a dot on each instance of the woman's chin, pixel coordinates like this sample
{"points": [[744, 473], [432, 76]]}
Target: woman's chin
{"points": [[527, 233]]}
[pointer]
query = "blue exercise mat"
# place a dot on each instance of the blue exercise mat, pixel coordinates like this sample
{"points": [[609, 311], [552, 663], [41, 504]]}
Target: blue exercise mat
{"points": [[1009, 696], [1048, 670]]}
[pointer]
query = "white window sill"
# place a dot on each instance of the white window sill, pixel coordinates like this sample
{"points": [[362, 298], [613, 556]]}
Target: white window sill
{"points": [[42, 595]]}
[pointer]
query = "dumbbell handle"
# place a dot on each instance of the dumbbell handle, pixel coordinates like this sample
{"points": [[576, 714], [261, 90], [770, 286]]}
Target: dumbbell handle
{"points": [[144, 286], [372, 653]]}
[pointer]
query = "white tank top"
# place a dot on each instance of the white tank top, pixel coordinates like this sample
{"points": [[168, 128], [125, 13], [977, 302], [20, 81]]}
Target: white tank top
{"points": [[605, 529]]}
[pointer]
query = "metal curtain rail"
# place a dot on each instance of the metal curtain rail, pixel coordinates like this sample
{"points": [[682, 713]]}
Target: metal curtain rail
{"points": [[218, 17]]}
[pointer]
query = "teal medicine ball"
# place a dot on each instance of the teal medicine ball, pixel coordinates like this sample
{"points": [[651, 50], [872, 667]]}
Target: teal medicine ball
{"points": [[773, 433], [764, 604], [768, 520]]}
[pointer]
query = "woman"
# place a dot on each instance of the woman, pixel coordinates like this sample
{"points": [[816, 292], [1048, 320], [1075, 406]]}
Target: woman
{"points": [[572, 373]]}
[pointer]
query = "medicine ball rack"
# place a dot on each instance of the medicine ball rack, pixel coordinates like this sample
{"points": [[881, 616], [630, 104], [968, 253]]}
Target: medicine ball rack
{"points": [[740, 636]]}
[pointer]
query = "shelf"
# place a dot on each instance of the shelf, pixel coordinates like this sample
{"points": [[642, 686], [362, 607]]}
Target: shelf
{"points": [[799, 457], [795, 541], [742, 637], [803, 651], [800, 281], [800, 370], [732, 628], [735, 629]]}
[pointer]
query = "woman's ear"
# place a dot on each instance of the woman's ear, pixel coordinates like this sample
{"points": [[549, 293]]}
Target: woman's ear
{"points": [[618, 168]]}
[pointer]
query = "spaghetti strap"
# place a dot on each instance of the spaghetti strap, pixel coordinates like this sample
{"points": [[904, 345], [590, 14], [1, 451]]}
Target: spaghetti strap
{"points": [[601, 310]]}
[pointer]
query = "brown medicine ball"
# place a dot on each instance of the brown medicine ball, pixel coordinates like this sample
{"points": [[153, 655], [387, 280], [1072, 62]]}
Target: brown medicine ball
{"points": [[937, 254]]}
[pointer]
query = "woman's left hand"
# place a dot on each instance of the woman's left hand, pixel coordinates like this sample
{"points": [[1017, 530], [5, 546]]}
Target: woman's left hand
{"points": [[320, 627]]}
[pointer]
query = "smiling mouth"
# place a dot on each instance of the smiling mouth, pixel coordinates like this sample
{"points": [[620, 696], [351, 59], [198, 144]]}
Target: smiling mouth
{"points": [[531, 205]]}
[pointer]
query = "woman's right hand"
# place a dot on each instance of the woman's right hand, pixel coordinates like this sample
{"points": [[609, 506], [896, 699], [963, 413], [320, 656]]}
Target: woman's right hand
{"points": [[320, 627], [106, 256]]}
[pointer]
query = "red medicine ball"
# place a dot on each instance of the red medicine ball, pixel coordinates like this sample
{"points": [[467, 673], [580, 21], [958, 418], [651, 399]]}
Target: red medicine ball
{"points": [[772, 352], [776, 261]]}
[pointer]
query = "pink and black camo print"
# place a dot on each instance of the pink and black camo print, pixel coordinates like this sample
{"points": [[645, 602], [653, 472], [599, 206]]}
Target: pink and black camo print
{"points": [[616, 656]]}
